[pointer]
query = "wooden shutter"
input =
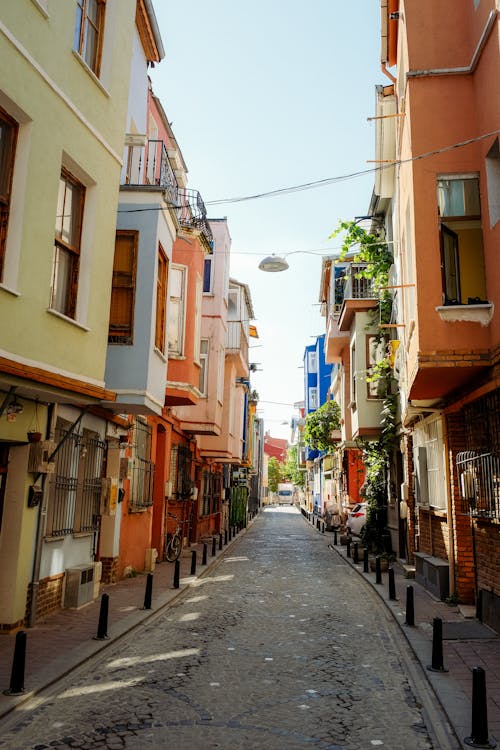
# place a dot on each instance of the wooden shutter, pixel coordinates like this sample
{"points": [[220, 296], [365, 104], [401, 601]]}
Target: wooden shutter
{"points": [[121, 318]]}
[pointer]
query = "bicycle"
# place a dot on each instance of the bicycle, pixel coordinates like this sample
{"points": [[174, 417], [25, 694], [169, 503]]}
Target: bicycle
{"points": [[173, 542]]}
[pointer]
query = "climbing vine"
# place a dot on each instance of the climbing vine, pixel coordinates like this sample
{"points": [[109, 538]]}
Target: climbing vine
{"points": [[320, 425]]}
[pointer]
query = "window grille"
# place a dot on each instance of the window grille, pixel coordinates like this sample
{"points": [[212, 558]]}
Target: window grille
{"points": [[429, 463], [180, 471], [75, 490], [142, 471], [210, 500]]}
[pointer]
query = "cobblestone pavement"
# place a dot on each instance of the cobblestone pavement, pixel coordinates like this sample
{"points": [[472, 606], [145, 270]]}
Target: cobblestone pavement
{"points": [[280, 646]]}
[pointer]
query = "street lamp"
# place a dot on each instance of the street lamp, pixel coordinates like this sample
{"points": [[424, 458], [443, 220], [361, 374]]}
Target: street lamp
{"points": [[273, 263]]}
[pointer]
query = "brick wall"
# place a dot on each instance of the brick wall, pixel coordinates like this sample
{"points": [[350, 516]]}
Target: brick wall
{"points": [[49, 596], [110, 567], [433, 533]]}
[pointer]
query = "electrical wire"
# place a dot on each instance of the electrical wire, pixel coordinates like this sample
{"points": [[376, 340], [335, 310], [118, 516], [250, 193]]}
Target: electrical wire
{"points": [[326, 181]]}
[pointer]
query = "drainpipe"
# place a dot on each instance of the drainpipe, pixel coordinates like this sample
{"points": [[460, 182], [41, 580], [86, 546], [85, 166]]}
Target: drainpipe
{"points": [[451, 541], [383, 68]]}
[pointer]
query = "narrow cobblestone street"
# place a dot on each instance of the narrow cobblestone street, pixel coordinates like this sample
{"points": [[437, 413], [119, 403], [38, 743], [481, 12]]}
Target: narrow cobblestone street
{"points": [[280, 645]]}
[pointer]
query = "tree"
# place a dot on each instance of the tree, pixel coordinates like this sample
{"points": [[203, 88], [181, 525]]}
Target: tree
{"points": [[274, 473], [320, 425], [291, 470]]}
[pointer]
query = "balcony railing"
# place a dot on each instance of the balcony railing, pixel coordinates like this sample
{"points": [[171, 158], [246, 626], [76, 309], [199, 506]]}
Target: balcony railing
{"points": [[192, 213], [349, 287], [149, 165]]}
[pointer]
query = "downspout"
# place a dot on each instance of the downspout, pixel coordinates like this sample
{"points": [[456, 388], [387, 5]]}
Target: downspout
{"points": [[467, 69], [451, 544], [383, 68]]}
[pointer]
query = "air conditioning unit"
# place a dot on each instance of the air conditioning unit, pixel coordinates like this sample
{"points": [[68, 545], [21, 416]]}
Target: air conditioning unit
{"points": [[79, 586], [38, 462]]}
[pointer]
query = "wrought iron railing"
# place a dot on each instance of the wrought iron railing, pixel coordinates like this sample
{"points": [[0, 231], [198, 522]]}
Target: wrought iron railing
{"points": [[149, 165], [351, 286], [479, 483], [192, 212]]}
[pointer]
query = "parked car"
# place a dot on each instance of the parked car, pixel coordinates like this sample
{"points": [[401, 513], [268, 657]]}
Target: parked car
{"points": [[356, 519]]}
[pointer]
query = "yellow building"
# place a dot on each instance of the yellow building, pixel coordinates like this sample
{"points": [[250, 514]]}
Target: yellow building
{"points": [[64, 83]]}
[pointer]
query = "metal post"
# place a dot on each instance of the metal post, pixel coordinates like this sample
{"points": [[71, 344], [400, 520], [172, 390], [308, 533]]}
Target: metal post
{"points": [[214, 544], [365, 560], [392, 585], [220, 541], [102, 627], [204, 556], [437, 646], [18, 664], [335, 540], [410, 611], [479, 733], [378, 570], [148, 594], [348, 548], [355, 556], [225, 536], [177, 571], [193, 562]]}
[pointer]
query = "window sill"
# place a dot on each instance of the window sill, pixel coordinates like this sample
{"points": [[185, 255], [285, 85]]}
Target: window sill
{"points": [[160, 354], [14, 292], [74, 322], [176, 356], [91, 73], [42, 7], [482, 313]]}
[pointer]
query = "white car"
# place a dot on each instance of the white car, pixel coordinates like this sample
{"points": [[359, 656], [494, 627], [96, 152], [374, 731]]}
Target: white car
{"points": [[356, 518]]}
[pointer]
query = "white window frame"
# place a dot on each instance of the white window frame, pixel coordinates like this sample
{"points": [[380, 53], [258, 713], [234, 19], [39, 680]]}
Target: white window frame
{"points": [[179, 303], [204, 361], [428, 435]]}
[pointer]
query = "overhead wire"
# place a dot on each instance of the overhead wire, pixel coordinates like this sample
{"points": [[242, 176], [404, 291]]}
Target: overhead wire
{"points": [[327, 180]]}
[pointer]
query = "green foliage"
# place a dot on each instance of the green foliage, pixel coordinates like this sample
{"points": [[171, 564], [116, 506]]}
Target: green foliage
{"points": [[375, 253], [291, 471], [274, 473], [320, 425]]}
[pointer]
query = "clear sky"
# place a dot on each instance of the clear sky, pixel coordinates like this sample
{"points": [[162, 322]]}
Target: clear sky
{"points": [[266, 95]]}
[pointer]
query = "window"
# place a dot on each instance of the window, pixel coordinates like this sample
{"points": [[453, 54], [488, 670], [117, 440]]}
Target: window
{"points": [[429, 457], [211, 493], [176, 311], [353, 377], [493, 177], [204, 349], [142, 471], [8, 137], [121, 318], [88, 32], [462, 260], [161, 300], [68, 228], [312, 361], [180, 471], [313, 398], [75, 487], [375, 352], [207, 274], [220, 376]]}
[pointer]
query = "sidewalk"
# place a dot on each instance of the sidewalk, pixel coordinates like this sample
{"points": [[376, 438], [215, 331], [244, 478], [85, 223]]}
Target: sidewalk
{"points": [[466, 644], [66, 638]]}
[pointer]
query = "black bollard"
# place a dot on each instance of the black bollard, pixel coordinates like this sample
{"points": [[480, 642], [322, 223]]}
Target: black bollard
{"points": [[18, 664], [148, 594], [225, 536], [348, 547], [204, 556], [392, 585], [355, 555], [230, 536], [479, 733], [214, 544], [410, 611], [437, 646], [378, 570], [177, 572], [102, 627], [365, 560], [193, 562], [220, 541], [322, 528], [335, 541]]}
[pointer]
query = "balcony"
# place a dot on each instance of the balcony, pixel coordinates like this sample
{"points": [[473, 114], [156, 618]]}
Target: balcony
{"points": [[352, 295], [192, 213], [147, 164], [237, 344]]}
